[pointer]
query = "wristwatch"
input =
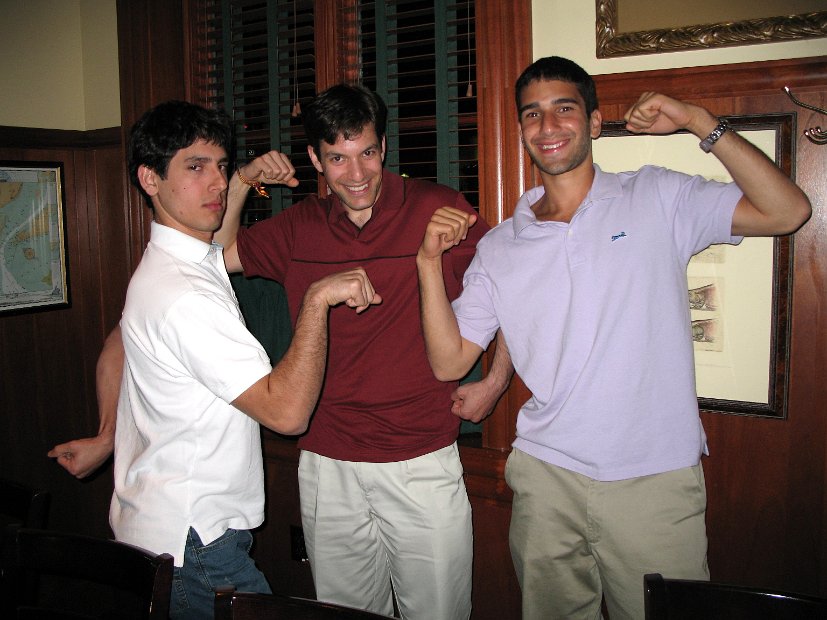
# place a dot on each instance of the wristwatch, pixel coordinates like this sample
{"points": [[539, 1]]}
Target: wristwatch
{"points": [[720, 129]]}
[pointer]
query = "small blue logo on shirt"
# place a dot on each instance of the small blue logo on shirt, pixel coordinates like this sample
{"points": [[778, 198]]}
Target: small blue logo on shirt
{"points": [[618, 236]]}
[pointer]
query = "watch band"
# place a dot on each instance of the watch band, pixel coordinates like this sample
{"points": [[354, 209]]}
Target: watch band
{"points": [[720, 129]]}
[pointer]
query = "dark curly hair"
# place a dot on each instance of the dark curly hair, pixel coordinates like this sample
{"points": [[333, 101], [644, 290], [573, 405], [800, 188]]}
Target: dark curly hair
{"points": [[343, 110], [169, 127]]}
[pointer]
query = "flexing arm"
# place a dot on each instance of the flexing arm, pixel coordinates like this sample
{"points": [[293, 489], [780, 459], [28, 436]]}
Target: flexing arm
{"points": [[450, 355], [475, 401], [771, 205], [81, 457], [284, 400], [273, 168]]}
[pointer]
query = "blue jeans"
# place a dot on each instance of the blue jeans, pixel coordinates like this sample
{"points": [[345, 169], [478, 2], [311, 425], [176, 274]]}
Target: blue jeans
{"points": [[224, 562]]}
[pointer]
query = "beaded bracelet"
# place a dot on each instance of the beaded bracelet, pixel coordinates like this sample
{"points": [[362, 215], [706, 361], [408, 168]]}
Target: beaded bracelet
{"points": [[256, 185]]}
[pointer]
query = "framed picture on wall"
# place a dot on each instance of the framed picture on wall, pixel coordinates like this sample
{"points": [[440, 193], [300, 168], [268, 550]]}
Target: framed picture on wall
{"points": [[32, 242], [738, 296]]}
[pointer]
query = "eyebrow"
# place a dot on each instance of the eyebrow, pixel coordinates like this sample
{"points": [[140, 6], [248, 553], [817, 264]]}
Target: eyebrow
{"points": [[203, 159], [338, 154], [536, 104]]}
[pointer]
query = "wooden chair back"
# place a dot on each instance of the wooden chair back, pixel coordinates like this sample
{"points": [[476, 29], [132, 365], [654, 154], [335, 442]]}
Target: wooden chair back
{"points": [[231, 605], [136, 581], [678, 599]]}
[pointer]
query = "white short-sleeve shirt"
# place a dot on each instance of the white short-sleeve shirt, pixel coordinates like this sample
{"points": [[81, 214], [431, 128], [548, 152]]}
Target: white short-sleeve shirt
{"points": [[185, 457]]}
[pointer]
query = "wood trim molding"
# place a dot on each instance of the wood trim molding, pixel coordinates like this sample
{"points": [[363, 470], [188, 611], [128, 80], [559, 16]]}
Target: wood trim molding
{"points": [[37, 138], [716, 81]]}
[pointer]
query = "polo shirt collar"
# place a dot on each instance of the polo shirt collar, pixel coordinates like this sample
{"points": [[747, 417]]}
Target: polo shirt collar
{"points": [[180, 245], [391, 197], [605, 186]]}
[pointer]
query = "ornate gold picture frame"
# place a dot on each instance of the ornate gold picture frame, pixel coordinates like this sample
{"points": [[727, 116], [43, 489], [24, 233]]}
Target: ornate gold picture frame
{"points": [[612, 43]]}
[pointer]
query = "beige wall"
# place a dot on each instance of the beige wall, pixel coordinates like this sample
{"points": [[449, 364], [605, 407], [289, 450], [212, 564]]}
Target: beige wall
{"points": [[60, 64], [568, 29]]}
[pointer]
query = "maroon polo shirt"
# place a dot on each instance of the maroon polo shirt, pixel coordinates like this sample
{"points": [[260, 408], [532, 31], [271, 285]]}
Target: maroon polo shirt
{"points": [[380, 400]]}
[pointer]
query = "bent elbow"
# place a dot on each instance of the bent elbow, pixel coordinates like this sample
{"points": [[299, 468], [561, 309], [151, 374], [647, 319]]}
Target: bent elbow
{"points": [[447, 374], [296, 428], [288, 427]]}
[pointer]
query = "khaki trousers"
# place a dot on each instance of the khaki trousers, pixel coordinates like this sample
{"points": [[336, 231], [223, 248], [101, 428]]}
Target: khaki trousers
{"points": [[406, 523], [574, 540]]}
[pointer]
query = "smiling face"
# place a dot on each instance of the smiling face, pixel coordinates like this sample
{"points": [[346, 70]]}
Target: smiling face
{"points": [[555, 129], [353, 171], [192, 197]]}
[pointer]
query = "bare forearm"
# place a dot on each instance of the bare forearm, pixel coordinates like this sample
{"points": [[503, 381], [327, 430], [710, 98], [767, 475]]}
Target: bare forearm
{"points": [[297, 378], [773, 204], [284, 400], [108, 375], [501, 370], [448, 354], [236, 196]]}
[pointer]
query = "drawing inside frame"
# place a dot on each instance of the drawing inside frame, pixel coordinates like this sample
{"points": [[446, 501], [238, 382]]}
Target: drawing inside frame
{"points": [[738, 296], [33, 272], [707, 30]]}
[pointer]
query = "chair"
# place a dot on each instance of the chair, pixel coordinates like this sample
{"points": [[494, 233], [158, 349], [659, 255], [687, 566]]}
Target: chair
{"points": [[232, 605], [23, 505], [20, 506], [132, 581], [677, 599]]}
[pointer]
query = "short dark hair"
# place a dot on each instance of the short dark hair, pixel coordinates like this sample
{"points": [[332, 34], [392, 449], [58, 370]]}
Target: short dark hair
{"points": [[343, 110], [564, 70], [169, 127]]}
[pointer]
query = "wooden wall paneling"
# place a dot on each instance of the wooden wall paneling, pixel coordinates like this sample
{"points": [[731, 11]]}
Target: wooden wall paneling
{"points": [[503, 174], [151, 57], [48, 356], [273, 548], [496, 593]]}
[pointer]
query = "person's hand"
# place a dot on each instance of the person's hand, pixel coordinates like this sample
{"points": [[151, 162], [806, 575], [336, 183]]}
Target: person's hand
{"points": [[474, 401], [272, 168], [351, 287], [447, 228], [81, 457], [658, 114]]}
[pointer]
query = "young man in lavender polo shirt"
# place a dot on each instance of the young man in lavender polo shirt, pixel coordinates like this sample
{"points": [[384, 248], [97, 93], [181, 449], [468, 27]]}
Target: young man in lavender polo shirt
{"points": [[606, 467]]}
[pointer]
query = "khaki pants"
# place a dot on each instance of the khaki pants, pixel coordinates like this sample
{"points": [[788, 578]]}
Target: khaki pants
{"points": [[574, 540], [367, 525]]}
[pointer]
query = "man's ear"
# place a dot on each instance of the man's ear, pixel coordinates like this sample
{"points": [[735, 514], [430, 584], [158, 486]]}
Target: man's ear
{"points": [[313, 158], [595, 124], [148, 180], [384, 148]]}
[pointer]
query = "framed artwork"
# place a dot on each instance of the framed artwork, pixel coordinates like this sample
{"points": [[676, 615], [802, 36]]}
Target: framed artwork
{"points": [[738, 296], [32, 243], [631, 27]]}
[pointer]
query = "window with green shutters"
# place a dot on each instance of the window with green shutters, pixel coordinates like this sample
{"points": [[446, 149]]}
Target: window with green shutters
{"points": [[262, 59]]}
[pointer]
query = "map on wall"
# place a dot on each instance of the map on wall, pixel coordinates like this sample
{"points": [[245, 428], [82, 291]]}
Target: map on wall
{"points": [[32, 249]]}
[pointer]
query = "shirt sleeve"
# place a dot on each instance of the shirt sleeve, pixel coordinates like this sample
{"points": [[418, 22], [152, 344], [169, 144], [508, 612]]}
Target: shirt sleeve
{"points": [[264, 248], [213, 345], [474, 308], [702, 210]]}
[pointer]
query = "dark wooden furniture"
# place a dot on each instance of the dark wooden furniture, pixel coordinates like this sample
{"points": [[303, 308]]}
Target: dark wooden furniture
{"points": [[23, 505], [117, 579], [678, 599], [232, 605]]}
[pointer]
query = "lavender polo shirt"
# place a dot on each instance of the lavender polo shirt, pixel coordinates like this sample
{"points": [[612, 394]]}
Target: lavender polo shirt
{"points": [[596, 316]]}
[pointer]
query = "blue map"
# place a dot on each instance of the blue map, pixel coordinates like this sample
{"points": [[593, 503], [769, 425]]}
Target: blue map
{"points": [[32, 270]]}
